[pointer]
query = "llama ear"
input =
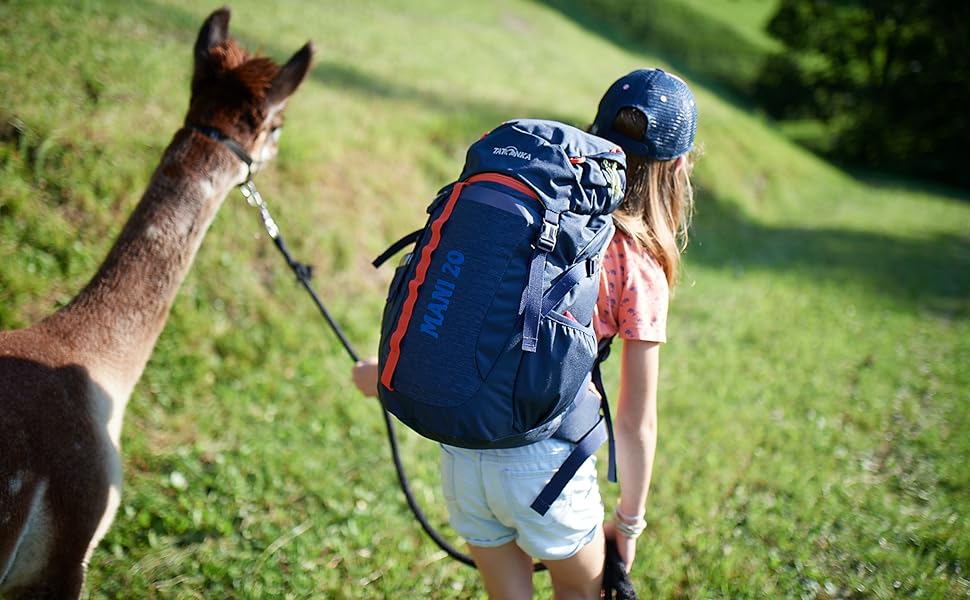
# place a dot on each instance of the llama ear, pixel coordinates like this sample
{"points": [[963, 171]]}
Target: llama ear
{"points": [[290, 76], [214, 31]]}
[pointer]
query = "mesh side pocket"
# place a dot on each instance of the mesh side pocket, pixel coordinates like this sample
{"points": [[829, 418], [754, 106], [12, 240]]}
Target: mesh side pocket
{"points": [[550, 378]]}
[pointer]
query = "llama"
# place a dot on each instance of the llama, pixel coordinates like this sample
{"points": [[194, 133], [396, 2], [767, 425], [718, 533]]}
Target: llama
{"points": [[65, 381]]}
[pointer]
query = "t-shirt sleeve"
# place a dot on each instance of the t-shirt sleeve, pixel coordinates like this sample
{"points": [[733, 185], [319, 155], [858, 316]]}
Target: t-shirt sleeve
{"points": [[634, 295]]}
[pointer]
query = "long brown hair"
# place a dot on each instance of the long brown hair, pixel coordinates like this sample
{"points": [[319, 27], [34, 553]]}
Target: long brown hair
{"points": [[659, 201]]}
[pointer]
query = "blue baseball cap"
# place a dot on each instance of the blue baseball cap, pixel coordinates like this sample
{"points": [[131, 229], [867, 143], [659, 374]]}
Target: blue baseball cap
{"points": [[666, 102]]}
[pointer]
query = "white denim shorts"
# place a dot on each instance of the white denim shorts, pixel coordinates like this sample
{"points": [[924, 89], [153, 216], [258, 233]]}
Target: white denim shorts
{"points": [[489, 493]]}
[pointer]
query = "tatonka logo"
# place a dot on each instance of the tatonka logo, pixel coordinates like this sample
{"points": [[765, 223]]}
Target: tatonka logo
{"points": [[512, 151]]}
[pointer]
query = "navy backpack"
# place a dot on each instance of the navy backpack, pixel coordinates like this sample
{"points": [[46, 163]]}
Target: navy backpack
{"points": [[487, 338]]}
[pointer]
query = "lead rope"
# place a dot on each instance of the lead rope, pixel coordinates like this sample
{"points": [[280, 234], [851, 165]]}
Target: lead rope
{"points": [[304, 273]]}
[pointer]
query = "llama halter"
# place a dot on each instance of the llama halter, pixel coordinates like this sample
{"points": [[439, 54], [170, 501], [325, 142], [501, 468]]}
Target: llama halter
{"points": [[235, 147]]}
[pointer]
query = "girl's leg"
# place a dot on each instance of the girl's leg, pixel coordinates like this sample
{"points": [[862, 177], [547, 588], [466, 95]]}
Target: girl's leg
{"points": [[506, 571], [580, 577]]}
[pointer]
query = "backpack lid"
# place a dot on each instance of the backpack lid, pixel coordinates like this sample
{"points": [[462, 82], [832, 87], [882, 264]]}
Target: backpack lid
{"points": [[569, 169]]}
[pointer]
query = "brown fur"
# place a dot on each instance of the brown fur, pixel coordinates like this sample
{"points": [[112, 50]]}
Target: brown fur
{"points": [[65, 381]]}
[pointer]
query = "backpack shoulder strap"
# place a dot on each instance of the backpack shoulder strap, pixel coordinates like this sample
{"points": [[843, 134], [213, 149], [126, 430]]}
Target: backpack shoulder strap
{"points": [[588, 442], [583, 450], [597, 379]]}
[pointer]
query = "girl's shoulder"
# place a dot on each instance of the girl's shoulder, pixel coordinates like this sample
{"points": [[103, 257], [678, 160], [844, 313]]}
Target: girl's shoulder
{"points": [[628, 257], [633, 293]]}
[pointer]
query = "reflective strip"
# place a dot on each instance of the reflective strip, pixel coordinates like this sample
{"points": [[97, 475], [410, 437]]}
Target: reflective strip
{"points": [[421, 271], [505, 180]]}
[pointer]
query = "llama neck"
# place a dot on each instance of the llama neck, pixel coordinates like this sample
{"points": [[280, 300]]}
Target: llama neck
{"points": [[117, 318]]}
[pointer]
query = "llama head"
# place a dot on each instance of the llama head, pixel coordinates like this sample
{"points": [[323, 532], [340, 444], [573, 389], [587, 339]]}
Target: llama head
{"points": [[242, 95]]}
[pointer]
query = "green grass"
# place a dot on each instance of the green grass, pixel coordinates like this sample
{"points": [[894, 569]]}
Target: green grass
{"points": [[814, 393]]}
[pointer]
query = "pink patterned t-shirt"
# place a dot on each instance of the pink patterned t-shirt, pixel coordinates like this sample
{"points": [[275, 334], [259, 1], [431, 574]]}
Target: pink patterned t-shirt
{"points": [[633, 296]]}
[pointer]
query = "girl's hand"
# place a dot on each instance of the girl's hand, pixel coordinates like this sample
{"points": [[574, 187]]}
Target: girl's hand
{"points": [[627, 547], [365, 376]]}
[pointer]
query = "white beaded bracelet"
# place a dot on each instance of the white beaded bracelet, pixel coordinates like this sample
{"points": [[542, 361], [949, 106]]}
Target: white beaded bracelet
{"points": [[630, 527]]}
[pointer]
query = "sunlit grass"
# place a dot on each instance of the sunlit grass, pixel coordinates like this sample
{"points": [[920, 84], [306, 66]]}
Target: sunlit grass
{"points": [[814, 421]]}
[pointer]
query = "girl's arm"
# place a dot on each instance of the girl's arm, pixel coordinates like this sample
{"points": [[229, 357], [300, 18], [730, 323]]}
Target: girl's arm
{"points": [[636, 432]]}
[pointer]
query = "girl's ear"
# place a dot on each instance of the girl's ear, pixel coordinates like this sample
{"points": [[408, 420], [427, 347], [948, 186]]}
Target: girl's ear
{"points": [[683, 164]]}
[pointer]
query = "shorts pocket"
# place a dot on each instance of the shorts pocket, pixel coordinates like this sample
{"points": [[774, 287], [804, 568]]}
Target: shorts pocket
{"points": [[582, 491], [448, 477], [523, 486]]}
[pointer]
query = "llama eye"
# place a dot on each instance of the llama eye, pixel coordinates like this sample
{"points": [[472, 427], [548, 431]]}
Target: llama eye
{"points": [[274, 134]]}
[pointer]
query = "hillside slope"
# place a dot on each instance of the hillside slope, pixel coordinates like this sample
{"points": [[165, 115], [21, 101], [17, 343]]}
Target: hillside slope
{"points": [[814, 392]]}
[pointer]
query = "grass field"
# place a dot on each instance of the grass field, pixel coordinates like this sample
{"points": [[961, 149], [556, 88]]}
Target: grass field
{"points": [[815, 429]]}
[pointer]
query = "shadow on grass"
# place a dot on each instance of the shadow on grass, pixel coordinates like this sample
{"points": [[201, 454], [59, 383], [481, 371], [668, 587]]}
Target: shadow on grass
{"points": [[474, 116], [931, 273], [488, 114]]}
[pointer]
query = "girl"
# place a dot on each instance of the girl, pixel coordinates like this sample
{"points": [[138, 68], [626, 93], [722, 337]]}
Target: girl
{"points": [[652, 116]]}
